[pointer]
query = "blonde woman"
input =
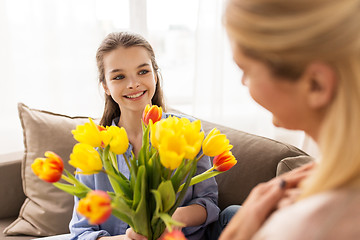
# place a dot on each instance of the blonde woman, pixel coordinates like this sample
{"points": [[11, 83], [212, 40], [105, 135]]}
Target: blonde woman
{"points": [[301, 61]]}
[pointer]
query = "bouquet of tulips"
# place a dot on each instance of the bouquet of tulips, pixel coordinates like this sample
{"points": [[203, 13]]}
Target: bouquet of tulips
{"points": [[160, 175]]}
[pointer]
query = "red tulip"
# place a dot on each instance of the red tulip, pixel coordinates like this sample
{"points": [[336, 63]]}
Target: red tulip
{"points": [[96, 207], [174, 235], [48, 169], [153, 113], [224, 161]]}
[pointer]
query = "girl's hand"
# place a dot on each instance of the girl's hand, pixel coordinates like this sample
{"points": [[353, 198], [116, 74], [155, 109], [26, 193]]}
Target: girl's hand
{"points": [[131, 235], [261, 202]]}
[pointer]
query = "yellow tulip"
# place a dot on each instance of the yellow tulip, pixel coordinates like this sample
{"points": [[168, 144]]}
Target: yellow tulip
{"points": [[194, 138], [215, 143], [172, 151], [86, 158], [96, 207], [119, 142], [88, 133], [162, 128]]}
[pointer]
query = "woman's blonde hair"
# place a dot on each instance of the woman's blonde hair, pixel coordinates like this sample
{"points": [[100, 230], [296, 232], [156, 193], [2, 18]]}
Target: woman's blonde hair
{"points": [[287, 36]]}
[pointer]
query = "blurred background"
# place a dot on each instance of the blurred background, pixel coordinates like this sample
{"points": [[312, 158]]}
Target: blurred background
{"points": [[47, 61]]}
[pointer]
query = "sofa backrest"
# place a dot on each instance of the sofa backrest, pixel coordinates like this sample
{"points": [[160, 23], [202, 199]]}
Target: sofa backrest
{"points": [[259, 160]]}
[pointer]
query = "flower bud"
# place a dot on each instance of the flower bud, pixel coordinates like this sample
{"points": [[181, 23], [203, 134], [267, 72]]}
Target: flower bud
{"points": [[48, 169], [224, 161], [153, 113], [96, 207]]}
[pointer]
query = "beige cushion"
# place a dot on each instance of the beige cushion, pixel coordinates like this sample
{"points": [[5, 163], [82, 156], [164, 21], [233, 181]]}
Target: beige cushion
{"points": [[46, 210]]}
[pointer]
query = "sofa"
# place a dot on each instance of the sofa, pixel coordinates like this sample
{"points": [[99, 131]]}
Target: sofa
{"points": [[32, 208]]}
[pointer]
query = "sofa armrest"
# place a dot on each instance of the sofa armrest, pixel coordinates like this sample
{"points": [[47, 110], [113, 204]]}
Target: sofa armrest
{"points": [[11, 191], [290, 163]]}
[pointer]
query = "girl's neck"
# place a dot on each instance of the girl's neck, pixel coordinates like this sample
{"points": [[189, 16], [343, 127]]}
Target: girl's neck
{"points": [[131, 122]]}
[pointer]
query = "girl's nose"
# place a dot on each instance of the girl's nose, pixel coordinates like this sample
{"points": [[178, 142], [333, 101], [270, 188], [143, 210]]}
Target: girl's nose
{"points": [[133, 83]]}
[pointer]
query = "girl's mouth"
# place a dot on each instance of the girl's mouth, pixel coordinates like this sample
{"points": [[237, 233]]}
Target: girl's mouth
{"points": [[139, 94]]}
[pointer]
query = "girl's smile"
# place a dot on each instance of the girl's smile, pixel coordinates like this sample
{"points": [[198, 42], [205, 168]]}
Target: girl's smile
{"points": [[135, 96]]}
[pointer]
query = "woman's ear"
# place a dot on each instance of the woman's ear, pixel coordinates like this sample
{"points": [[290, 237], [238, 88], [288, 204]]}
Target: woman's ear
{"points": [[107, 92], [321, 79]]}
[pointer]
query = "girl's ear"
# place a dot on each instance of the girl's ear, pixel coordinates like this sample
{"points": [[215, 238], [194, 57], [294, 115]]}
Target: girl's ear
{"points": [[156, 76], [321, 82], [107, 92]]}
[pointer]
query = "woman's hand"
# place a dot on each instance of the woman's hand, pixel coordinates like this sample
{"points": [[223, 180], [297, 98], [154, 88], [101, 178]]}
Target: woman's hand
{"points": [[262, 201]]}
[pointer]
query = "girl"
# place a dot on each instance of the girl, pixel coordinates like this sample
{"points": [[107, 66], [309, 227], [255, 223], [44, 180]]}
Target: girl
{"points": [[304, 67], [130, 77]]}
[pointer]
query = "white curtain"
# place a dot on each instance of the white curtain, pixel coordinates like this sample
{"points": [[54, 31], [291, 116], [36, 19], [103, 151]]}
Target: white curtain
{"points": [[48, 61], [219, 95]]}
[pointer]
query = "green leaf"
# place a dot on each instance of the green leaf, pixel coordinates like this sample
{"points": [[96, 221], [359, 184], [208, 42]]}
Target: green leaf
{"points": [[120, 185], [158, 207], [122, 210], [201, 177], [137, 189], [146, 141], [156, 170], [77, 191], [169, 221], [141, 219], [187, 183], [114, 161], [158, 228], [122, 216], [180, 174], [167, 194]]}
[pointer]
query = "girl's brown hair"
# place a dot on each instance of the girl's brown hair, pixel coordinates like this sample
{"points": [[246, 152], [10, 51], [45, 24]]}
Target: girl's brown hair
{"points": [[124, 39]]}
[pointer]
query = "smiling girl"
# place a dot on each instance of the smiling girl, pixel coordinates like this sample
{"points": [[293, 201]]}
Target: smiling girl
{"points": [[130, 77]]}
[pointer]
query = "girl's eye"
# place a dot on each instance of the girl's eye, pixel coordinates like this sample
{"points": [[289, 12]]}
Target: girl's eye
{"points": [[119, 77], [142, 72]]}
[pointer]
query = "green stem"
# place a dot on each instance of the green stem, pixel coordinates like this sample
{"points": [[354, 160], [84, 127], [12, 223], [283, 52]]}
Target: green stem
{"points": [[114, 160], [69, 180], [113, 175], [169, 174], [127, 162], [201, 177], [200, 157]]}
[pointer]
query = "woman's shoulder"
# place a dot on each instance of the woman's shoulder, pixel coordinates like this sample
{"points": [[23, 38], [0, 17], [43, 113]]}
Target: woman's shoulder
{"points": [[328, 215]]}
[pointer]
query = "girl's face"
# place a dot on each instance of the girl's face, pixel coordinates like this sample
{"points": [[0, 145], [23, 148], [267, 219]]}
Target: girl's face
{"points": [[130, 78], [284, 98]]}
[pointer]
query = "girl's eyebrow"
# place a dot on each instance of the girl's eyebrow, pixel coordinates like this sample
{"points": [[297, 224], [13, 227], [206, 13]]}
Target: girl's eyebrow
{"points": [[120, 70], [143, 65]]}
